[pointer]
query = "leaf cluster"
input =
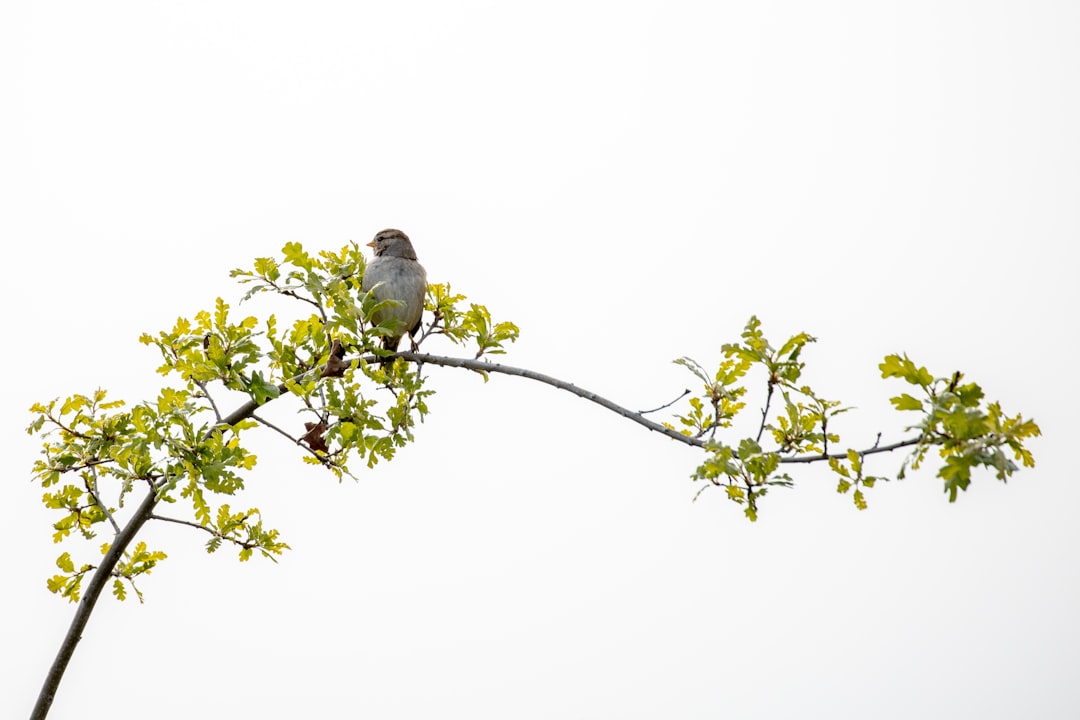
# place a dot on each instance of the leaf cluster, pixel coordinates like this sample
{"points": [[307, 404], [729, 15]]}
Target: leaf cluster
{"points": [[953, 417], [181, 447], [795, 419]]}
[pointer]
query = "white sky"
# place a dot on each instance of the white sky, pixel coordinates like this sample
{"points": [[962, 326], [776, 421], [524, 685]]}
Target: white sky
{"points": [[628, 182]]}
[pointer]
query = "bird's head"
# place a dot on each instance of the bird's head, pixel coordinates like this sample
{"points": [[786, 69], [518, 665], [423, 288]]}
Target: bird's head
{"points": [[393, 243]]}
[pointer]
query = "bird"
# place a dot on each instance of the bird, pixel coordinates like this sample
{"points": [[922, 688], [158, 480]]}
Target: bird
{"points": [[394, 274]]}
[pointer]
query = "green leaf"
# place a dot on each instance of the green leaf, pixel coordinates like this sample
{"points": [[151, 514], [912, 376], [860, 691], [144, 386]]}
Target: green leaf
{"points": [[262, 389], [956, 472], [295, 255], [693, 367], [856, 461], [906, 402], [903, 367], [65, 563]]}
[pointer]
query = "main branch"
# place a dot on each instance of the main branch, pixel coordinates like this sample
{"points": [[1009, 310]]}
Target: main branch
{"points": [[86, 604], [145, 510], [639, 418], [100, 578]]}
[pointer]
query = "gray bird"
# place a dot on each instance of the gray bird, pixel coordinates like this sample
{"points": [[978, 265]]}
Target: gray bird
{"points": [[394, 274]]}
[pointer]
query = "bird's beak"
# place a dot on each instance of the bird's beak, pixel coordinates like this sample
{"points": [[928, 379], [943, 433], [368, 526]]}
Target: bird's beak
{"points": [[371, 244]]}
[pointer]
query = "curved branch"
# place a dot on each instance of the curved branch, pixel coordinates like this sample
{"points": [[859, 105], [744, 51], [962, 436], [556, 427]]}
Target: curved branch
{"points": [[620, 410], [145, 510], [483, 366]]}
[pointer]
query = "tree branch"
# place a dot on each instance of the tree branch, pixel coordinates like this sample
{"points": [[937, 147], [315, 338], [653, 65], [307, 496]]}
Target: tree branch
{"points": [[665, 405], [484, 366], [324, 459], [209, 398], [87, 602], [211, 531], [842, 455], [637, 417], [178, 521], [101, 576], [91, 487], [765, 411], [145, 510]]}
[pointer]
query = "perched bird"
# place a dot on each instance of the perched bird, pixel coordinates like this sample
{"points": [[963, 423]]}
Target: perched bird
{"points": [[394, 274]]}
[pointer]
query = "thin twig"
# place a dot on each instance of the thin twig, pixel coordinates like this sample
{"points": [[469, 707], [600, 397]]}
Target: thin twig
{"points": [[197, 526], [210, 398], [65, 428], [275, 428], [297, 296], [88, 464], [765, 411], [325, 460], [434, 328], [91, 487], [178, 521], [841, 456], [662, 407]]}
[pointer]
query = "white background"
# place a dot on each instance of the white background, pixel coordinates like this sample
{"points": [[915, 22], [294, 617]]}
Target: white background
{"points": [[628, 182]]}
